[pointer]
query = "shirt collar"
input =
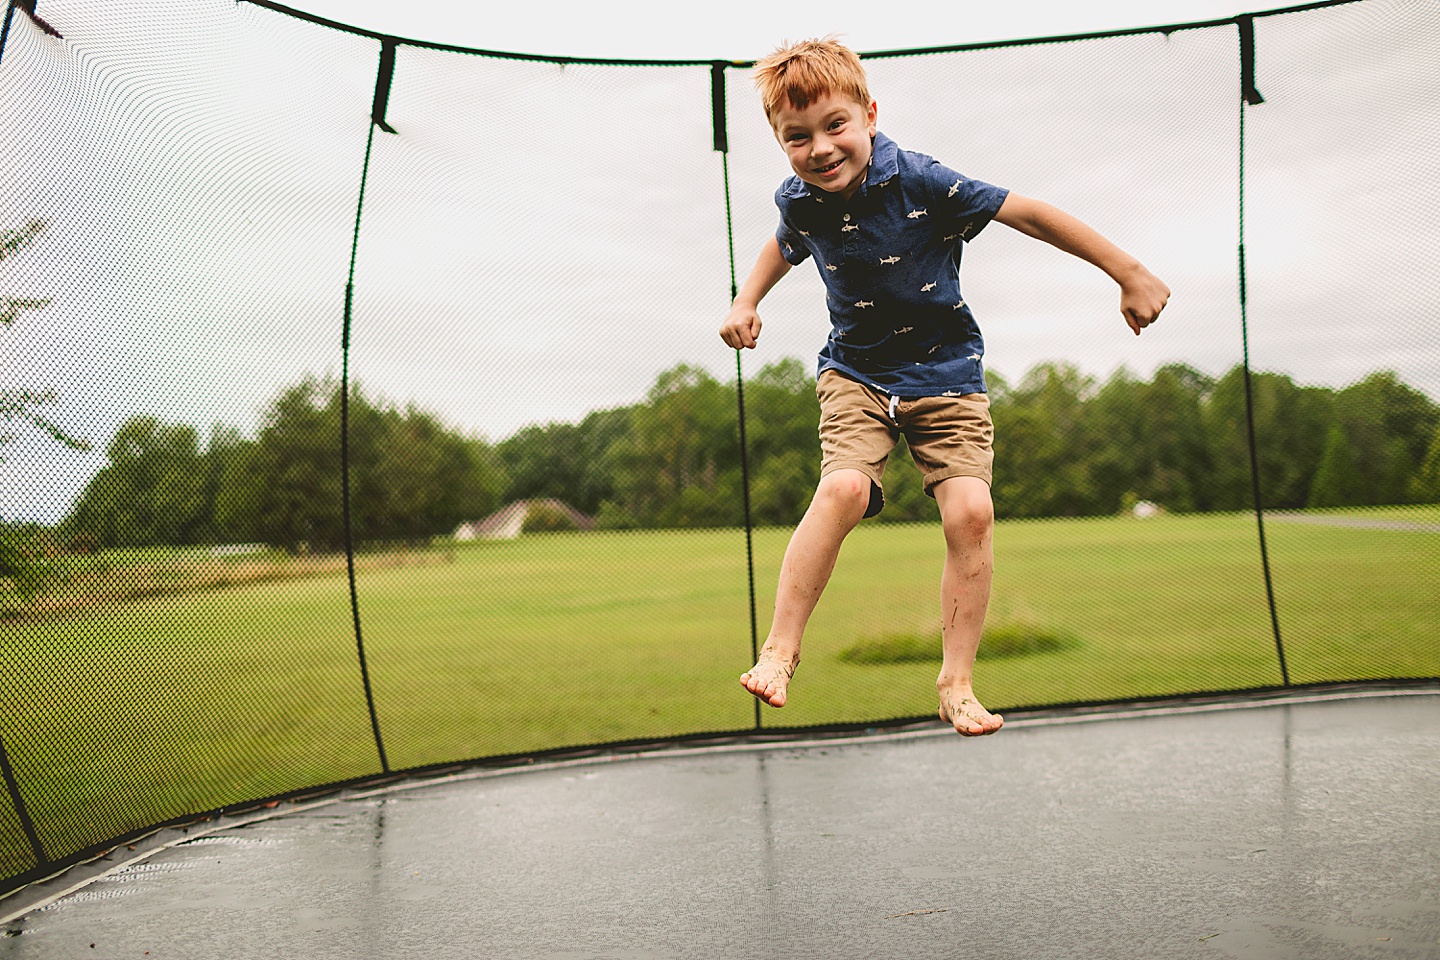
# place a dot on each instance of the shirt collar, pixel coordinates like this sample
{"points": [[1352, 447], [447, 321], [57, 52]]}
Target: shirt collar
{"points": [[884, 164], [884, 160]]}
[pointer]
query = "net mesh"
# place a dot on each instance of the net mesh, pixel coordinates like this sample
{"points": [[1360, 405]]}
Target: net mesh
{"points": [[336, 448]]}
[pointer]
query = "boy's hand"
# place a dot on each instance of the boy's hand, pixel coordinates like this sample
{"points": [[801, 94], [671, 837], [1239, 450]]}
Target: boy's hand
{"points": [[742, 327], [1142, 296]]}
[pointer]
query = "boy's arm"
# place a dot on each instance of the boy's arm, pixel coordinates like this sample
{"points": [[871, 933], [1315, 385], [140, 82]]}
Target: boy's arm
{"points": [[742, 326], [1142, 294]]}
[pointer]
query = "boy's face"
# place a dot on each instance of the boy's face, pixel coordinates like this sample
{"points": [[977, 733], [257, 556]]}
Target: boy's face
{"points": [[828, 142]]}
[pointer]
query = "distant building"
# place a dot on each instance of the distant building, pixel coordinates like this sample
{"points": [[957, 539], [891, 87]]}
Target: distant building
{"points": [[507, 522], [238, 549], [1144, 509]]}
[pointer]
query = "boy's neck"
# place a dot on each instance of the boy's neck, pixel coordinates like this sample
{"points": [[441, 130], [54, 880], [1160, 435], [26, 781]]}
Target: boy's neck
{"points": [[859, 187]]}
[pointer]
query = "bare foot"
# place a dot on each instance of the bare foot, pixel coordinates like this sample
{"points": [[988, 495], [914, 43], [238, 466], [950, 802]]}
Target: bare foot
{"points": [[968, 716], [770, 676]]}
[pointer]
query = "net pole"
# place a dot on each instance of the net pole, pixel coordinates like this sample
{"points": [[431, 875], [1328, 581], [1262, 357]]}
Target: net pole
{"points": [[722, 144], [22, 812], [377, 119], [5, 30], [7, 772], [1249, 96]]}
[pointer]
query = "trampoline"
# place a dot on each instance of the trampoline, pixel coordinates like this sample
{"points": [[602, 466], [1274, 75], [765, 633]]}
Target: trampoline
{"points": [[1304, 824]]}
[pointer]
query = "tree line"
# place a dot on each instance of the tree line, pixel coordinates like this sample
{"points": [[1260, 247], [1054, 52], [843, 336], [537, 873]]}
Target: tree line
{"points": [[1067, 445], [411, 478]]}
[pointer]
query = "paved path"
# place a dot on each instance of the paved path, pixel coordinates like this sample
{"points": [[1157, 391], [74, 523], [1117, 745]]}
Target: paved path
{"points": [[1360, 522]]}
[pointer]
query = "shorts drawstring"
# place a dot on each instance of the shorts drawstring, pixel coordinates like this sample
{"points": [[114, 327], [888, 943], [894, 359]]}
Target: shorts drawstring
{"points": [[894, 403]]}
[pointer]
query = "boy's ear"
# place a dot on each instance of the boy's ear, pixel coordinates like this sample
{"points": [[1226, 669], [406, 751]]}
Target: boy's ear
{"points": [[870, 118]]}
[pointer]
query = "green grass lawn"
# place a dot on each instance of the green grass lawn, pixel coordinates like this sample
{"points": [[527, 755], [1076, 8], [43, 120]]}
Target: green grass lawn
{"points": [[134, 712]]}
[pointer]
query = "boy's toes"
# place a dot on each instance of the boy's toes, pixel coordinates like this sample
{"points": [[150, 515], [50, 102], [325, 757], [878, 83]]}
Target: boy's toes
{"points": [[768, 680], [774, 694], [963, 724], [968, 717], [767, 690]]}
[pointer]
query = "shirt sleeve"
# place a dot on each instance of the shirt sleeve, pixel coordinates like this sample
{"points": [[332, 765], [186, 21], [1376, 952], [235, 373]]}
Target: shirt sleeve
{"points": [[791, 244], [966, 205]]}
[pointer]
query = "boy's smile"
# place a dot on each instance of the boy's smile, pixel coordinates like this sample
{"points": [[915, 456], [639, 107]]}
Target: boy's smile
{"points": [[828, 141]]}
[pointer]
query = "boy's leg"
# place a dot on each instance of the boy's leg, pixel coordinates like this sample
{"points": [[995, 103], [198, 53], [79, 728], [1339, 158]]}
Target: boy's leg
{"points": [[839, 504], [968, 517]]}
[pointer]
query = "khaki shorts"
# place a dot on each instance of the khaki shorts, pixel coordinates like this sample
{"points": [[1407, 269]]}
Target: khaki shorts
{"points": [[947, 436]]}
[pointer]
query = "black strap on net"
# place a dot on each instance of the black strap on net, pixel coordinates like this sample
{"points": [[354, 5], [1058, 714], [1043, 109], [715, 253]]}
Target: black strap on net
{"points": [[26, 7]]}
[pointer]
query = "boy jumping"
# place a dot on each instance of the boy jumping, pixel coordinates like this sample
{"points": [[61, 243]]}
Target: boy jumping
{"points": [[887, 228]]}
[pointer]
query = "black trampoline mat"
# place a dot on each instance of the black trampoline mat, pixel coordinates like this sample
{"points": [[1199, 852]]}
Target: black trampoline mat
{"points": [[1308, 828]]}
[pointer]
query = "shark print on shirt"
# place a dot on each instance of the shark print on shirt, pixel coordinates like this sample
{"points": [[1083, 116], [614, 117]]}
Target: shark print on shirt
{"points": [[898, 318]]}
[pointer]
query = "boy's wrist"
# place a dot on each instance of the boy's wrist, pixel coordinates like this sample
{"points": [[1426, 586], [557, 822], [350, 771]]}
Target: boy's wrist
{"points": [[1127, 270]]}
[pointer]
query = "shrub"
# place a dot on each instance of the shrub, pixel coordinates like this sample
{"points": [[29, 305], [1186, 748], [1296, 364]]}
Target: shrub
{"points": [[1009, 639]]}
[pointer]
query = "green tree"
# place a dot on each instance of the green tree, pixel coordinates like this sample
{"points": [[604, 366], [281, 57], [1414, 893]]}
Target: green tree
{"points": [[679, 464], [782, 414], [1389, 425], [411, 477], [1152, 439], [225, 447], [1291, 424], [285, 488], [564, 461], [1065, 447], [1425, 484], [152, 491], [1045, 448], [1337, 481], [546, 517]]}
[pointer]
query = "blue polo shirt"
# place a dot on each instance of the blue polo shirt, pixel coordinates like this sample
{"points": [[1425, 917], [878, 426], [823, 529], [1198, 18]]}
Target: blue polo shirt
{"points": [[890, 259]]}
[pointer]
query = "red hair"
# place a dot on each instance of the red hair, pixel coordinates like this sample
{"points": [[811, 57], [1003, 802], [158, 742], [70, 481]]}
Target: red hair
{"points": [[808, 70]]}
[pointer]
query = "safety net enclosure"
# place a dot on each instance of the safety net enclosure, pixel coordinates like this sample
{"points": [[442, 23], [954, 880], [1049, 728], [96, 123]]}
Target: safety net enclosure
{"points": [[364, 410]]}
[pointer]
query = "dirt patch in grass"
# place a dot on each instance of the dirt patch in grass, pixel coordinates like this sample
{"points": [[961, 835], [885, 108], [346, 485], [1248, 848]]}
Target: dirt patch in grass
{"points": [[1014, 638]]}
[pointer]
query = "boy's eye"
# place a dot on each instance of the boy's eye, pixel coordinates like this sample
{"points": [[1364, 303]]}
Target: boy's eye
{"points": [[835, 124]]}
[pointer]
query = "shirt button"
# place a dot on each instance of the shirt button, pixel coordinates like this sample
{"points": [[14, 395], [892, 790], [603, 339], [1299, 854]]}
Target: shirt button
{"points": [[847, 218]]}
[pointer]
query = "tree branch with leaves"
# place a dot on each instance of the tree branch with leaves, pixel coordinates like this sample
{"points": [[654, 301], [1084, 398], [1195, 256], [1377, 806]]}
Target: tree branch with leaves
{"points": [[21, 403]]}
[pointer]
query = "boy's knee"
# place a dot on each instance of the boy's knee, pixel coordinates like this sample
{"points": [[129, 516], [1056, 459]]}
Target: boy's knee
{"points": [[846, 490], [969, 516], [969, 529]]}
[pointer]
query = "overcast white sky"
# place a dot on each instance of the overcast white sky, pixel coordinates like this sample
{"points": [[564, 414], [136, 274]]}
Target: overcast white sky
{"points": [[747, 29]]}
